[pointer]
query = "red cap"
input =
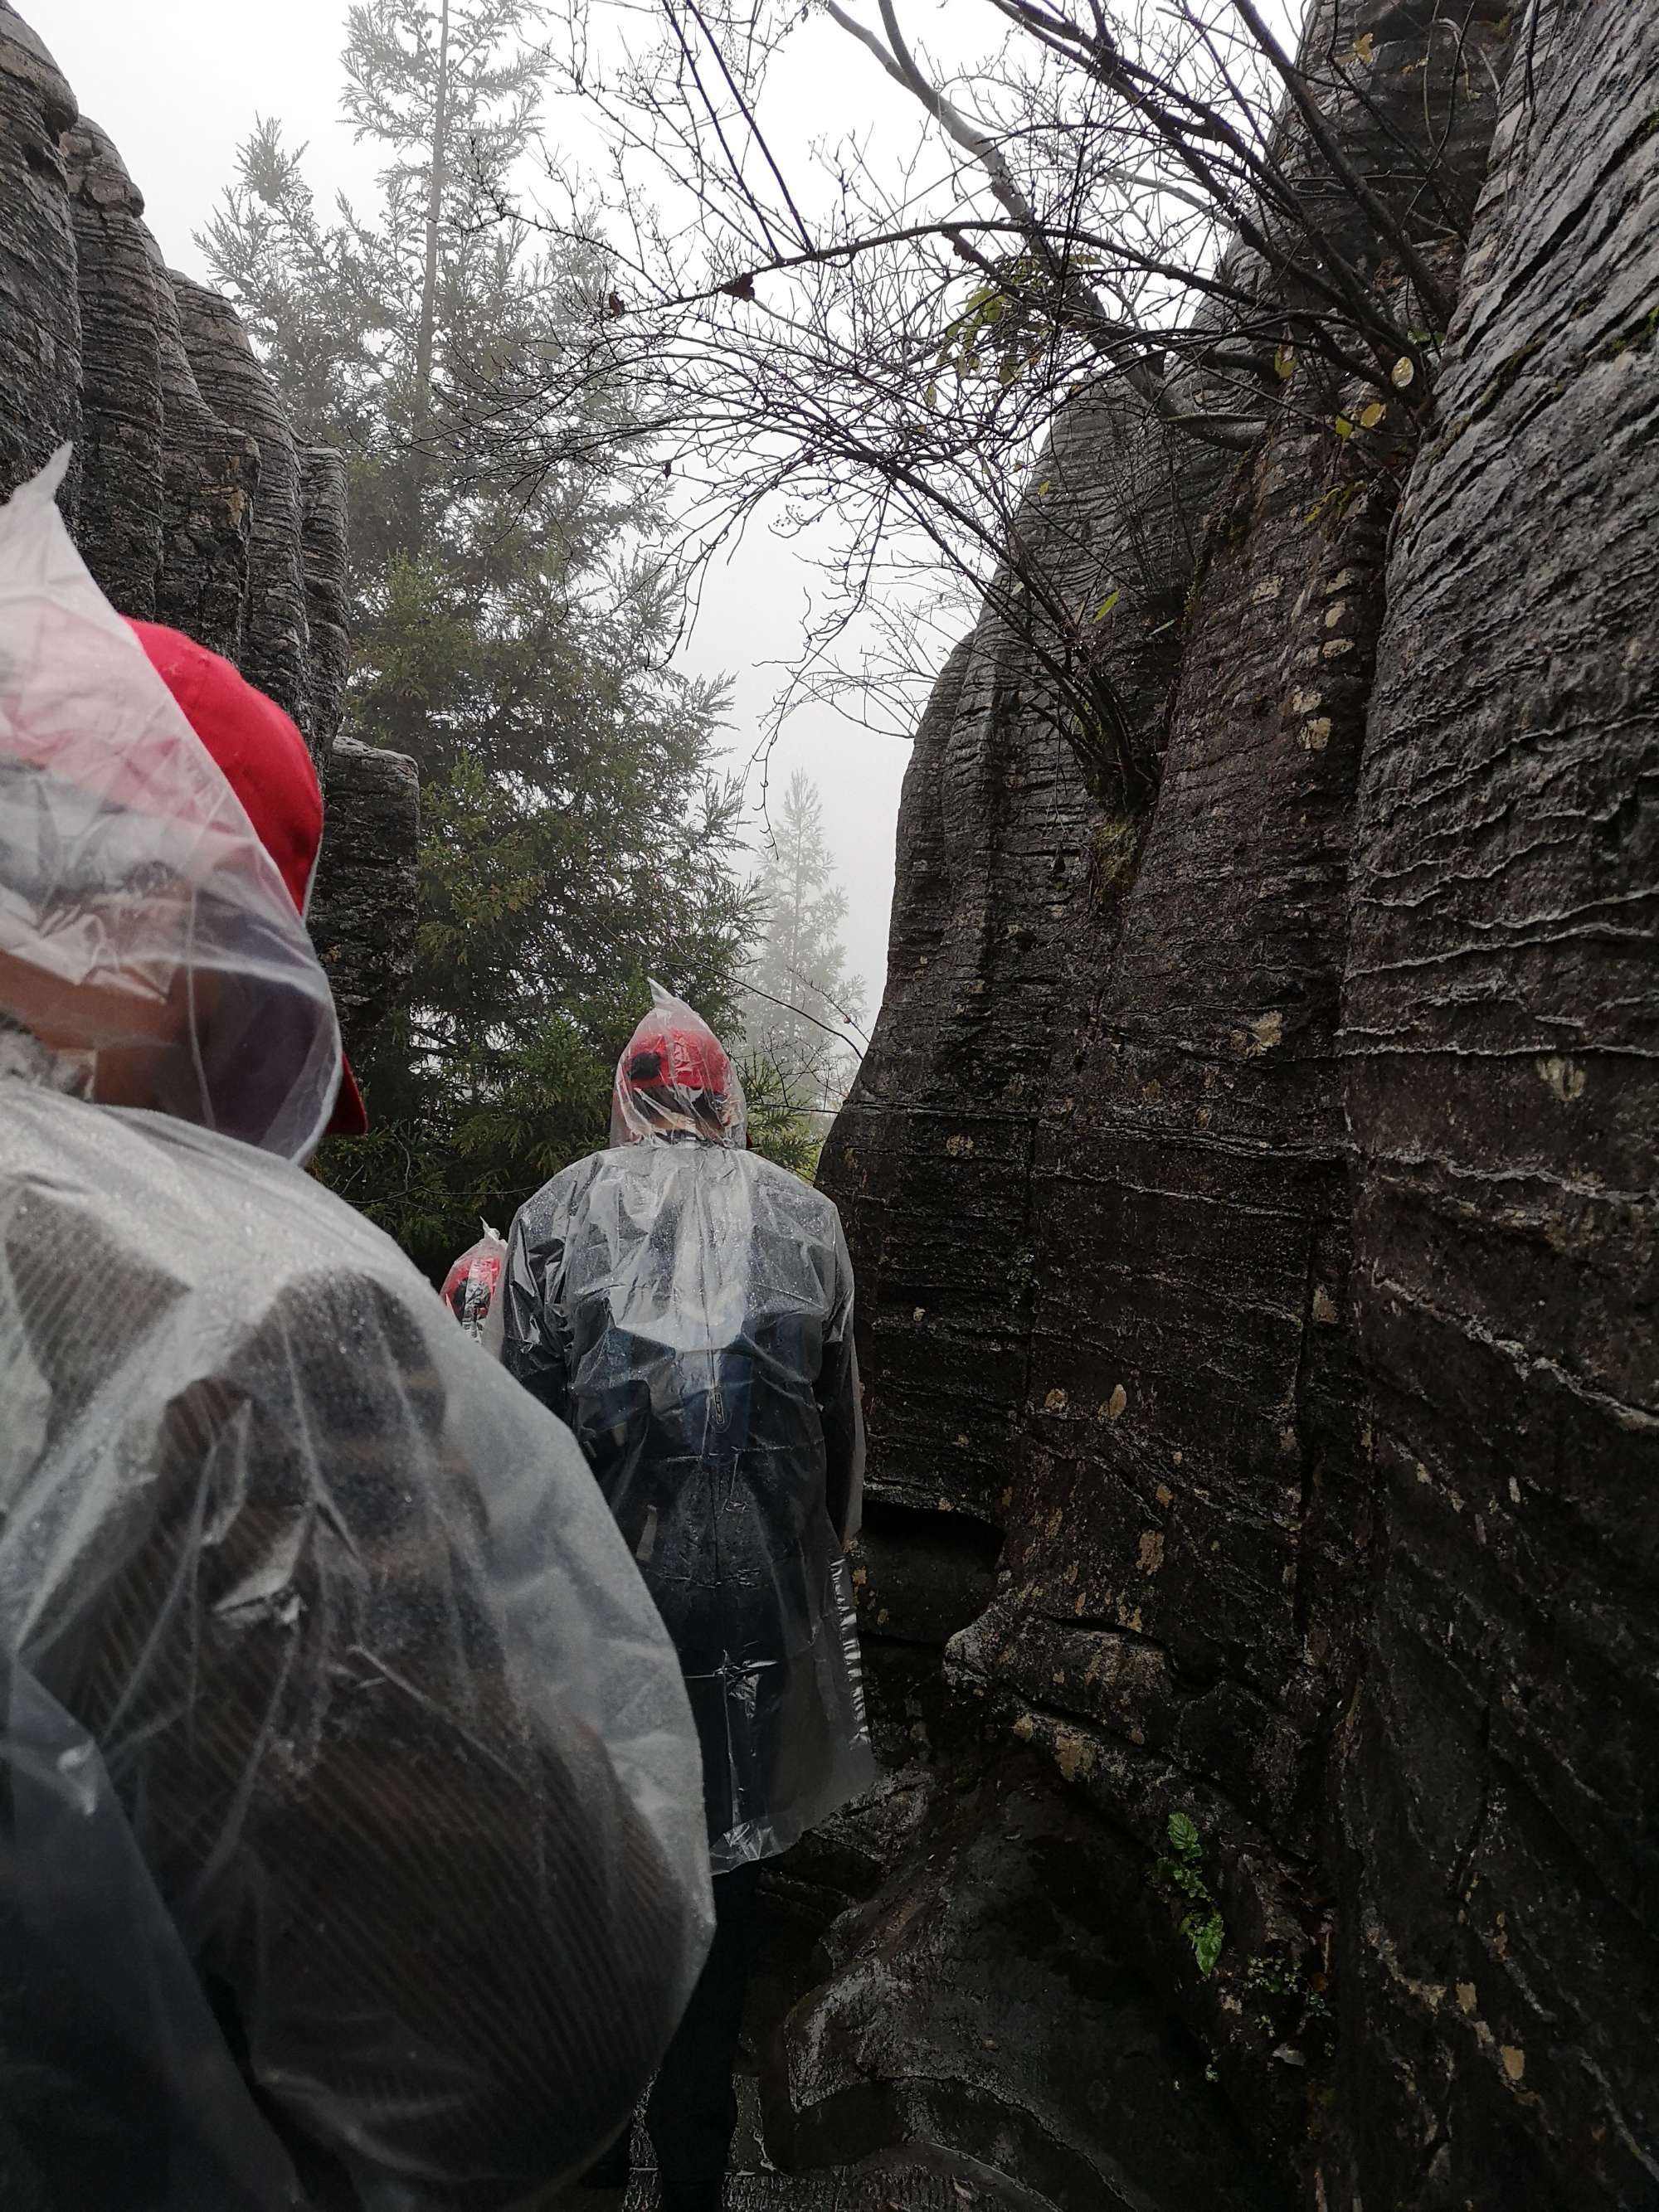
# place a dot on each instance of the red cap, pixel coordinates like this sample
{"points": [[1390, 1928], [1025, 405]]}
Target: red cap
{"points": [[474, 1266], [266, 762], [665, 1056]]}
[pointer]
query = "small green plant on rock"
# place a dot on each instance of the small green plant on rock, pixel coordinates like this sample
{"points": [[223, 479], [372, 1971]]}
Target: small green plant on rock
{"points": [[1284, 1998], [1268, 1978], [1178, 1871]]}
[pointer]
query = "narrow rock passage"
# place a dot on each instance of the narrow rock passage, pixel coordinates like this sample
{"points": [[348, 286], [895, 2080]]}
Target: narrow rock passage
{"points": [[1251, 1186]]}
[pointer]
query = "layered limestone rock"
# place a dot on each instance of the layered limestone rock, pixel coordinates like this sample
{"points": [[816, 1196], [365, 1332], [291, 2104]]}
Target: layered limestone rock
{"points": [[122, 437], [189, 498], [39, 306], [323, 527], [210, 474], [1251, 1189], [238, 389], [1499, 1932], [362, 910]]}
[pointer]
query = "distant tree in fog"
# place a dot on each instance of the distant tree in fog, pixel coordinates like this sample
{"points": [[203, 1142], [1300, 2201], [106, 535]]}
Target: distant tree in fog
{"points": [[801, 1006]]}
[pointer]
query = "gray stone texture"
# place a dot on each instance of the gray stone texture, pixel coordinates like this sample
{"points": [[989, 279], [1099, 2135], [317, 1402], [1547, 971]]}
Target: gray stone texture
{"points": [[1251, 1187], [210, 483], [322, 547], [39, 309], [189, 497], [363, 907], [1500, 1788], [121, 524], [237, 387]]}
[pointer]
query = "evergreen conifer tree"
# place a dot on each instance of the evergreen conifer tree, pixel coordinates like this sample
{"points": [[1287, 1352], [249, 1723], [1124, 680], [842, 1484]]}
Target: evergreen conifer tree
{"points": [[800, 1004], [513, 639]]}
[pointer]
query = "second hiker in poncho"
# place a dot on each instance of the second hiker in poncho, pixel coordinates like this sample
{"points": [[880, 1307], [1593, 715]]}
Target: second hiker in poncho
{"points": [[687, 1307]]}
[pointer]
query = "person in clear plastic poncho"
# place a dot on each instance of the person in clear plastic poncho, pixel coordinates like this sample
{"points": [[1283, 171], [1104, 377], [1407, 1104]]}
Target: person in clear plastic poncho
{"points": [[687, 1307], [350, 1849], [472, 1290]]}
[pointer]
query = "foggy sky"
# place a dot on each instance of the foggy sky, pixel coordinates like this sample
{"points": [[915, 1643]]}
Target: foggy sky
{"points": [[177, 85]]}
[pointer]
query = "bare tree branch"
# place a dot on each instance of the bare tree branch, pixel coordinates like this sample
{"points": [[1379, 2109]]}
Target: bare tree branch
{"points": [[1135, 210]]}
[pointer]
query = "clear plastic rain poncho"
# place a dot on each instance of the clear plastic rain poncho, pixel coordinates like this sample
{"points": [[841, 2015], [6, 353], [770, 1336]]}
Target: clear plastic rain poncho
{"points": [[134, 896], [103, 2020], [687, 1307], [472, 1290], [316, 1635]]}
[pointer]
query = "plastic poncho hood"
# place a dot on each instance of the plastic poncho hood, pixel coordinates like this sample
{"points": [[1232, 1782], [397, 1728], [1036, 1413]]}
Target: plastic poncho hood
{"points": [[675, 1077], [141, 919]]}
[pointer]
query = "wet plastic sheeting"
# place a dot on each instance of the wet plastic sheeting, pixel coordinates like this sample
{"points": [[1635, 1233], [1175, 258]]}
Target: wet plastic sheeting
{"points": [[400, 1732], [130, 2081], [687, 1307], [400, 1740], [129, 875], [472, 1290], [675, 1066]]}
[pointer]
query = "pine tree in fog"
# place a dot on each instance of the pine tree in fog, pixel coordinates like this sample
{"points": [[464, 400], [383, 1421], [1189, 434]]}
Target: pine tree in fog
{"points": [[801, 1006], [513, 638]]}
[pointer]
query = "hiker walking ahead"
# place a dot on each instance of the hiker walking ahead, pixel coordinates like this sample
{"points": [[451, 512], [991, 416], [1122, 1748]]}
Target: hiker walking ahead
{"points": [[687, 1307], [349, 1848]]}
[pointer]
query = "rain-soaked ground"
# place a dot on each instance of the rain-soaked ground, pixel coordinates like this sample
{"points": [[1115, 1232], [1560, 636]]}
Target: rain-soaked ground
{"points": [[901, 2183]]}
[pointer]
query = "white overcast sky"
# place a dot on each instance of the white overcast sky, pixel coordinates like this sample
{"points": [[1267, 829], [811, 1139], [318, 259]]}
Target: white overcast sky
{"points": [[177, 84]]}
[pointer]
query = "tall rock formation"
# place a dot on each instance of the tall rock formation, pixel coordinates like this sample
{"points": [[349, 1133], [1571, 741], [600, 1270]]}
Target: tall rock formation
{"points": [[1499, 1789], [1251, 1187], [40, 304], [123, 430], [211, 478], [238, 389], [189, 498]]}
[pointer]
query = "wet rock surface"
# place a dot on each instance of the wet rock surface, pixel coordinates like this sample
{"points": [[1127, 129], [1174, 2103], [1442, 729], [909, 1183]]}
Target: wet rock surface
{"points": [[39, 306], [365, 890], [1251, 1191], [188, 497], [1500, 1932], [981, 2004]]}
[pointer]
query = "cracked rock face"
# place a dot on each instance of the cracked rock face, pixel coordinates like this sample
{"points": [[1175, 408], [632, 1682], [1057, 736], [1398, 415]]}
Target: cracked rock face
{"points": [[1500, 1940], [1253, 1203], [189, 499]]}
